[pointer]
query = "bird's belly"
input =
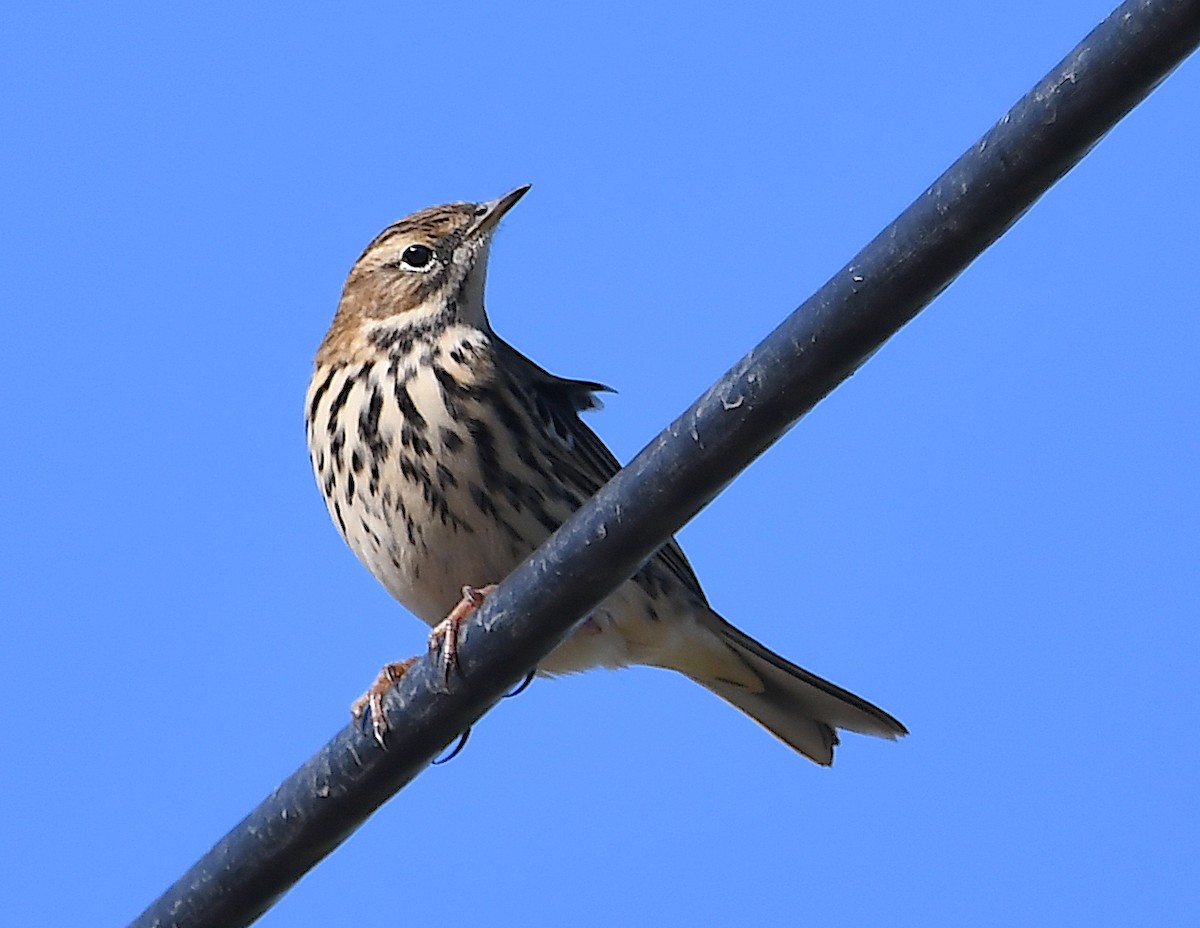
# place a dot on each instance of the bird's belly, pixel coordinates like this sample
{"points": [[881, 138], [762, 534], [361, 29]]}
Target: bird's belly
{"points": [[427, 568], [427, 579]]}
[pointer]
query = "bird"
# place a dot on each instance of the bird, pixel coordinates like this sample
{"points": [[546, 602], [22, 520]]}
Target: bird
{"points": [[445, 457]]}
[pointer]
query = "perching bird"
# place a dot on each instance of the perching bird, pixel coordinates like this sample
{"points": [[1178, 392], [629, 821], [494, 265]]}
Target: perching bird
{"points": [[446, 457]]}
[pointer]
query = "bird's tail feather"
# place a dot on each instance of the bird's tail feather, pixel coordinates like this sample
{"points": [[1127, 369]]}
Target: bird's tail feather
{"points": [[799, 708]]}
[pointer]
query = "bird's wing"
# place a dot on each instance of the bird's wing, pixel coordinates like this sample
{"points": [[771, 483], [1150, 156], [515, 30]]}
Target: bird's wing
{"points": [[558, 402]]}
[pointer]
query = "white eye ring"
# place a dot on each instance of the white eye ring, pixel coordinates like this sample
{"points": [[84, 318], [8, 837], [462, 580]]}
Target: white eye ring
{"points": [[417, 257]]}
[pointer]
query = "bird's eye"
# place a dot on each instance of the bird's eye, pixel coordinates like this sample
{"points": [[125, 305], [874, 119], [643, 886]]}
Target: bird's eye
{"points": [[417, 257]]}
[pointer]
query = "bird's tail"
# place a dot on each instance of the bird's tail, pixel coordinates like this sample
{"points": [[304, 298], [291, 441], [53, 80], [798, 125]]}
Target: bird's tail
{"points": [[799, 708]]}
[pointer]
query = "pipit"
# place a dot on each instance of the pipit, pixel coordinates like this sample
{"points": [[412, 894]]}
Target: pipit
{"points": [[446, 457]]}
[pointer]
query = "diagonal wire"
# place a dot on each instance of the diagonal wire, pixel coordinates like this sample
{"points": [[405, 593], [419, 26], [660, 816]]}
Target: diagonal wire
{"points": [[817, 347]]}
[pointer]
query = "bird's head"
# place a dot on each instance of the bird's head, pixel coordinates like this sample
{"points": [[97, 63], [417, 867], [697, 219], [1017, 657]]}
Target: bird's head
{"points": [[432, 262]]}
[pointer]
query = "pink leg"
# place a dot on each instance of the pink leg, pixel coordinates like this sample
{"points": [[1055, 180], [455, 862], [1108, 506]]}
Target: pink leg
{"points": [[372, 699], [445, 633]]}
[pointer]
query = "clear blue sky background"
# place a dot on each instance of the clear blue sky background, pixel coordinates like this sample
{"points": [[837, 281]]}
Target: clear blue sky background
{"points": [[992, 529]]}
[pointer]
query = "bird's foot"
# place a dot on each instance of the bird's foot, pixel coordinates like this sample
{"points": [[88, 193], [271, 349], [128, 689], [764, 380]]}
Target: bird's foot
{"points": [[372, 699], [445, 634]]}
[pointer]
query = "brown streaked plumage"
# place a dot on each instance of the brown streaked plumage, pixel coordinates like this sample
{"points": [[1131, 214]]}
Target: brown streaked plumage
{"points": [[445, 457]]}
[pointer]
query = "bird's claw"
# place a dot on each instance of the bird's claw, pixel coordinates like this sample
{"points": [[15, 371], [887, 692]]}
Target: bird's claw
{"points": [[445, 634], [372, 699], [444, 637]]}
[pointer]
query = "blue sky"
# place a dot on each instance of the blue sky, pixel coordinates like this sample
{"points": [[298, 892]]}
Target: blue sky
{"points": [[992, 530]]}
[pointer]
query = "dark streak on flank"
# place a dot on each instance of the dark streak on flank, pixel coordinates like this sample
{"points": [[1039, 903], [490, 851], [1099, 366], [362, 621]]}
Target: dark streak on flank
{"points": [[368, 427], [338, 402], [320, 392], [485, 452]]}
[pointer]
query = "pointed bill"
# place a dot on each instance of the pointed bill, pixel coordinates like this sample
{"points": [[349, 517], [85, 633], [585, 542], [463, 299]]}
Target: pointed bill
{"points": [[492, 211]]}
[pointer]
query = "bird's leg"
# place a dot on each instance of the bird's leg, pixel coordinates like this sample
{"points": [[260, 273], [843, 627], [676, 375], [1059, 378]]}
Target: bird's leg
{"points": [[388, 677], [445, 633]]}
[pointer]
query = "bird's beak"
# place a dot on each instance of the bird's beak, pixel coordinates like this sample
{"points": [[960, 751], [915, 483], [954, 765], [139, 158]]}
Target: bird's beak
{"points": [[490, 213]]}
